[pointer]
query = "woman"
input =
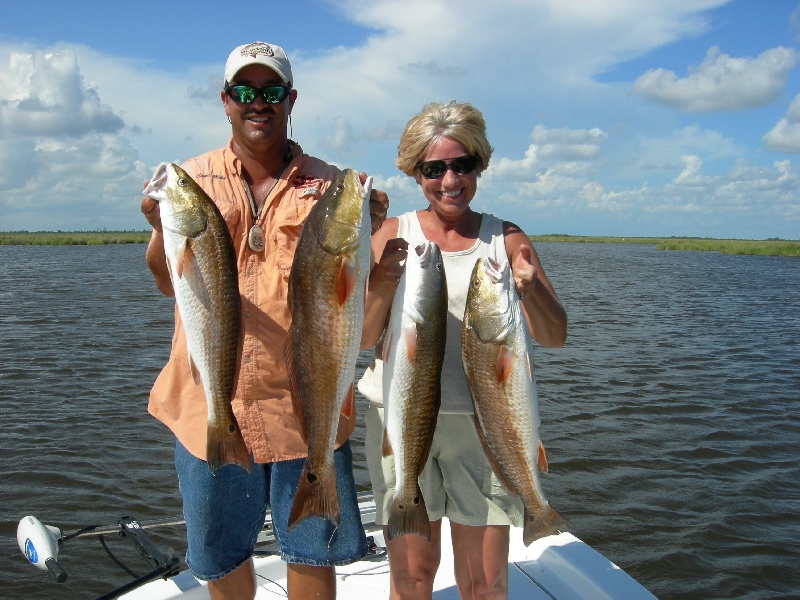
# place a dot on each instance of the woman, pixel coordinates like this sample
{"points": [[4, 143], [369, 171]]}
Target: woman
{"points": [[445, 149]]}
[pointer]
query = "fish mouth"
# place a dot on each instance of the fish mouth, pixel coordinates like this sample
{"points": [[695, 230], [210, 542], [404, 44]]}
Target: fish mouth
{"points": [[367, 186], [425, 253], [157, 183], [495, 270]]}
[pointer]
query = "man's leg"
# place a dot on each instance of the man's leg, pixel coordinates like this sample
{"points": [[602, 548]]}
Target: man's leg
{"points": [[224, 513], [236, 585], [306, 582]]}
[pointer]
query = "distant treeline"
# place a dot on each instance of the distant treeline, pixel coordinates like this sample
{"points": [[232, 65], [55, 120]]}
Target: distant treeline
{"points": [[770, 247]]}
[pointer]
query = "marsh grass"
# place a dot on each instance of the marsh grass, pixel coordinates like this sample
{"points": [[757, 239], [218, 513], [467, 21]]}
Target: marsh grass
{"points": [[771, 247], [73, 238]]}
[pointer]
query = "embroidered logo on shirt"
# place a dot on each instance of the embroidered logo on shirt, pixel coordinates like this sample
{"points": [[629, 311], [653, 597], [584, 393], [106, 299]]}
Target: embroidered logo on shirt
{"points": [[309, 184]]}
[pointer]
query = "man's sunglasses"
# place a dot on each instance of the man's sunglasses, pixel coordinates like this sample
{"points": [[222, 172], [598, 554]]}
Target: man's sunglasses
{"points": [[462, 165], [246, 94]]}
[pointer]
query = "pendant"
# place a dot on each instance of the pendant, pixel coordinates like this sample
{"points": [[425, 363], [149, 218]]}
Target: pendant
{"points": [[255, 239]]}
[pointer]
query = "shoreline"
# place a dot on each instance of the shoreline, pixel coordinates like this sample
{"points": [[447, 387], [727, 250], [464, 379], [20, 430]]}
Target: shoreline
{"points": [[769, 247]]}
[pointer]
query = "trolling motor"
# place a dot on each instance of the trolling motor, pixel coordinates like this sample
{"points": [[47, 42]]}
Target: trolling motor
{"points": [[39, 544]]}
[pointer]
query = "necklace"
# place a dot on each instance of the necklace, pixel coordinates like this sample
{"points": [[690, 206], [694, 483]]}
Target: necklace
{"points": [[255, 237]]}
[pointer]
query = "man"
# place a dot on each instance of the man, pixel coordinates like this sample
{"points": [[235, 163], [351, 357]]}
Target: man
{"points": [[264, 186]]}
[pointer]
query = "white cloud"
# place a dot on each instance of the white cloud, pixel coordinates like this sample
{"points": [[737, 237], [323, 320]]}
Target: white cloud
{"points": [[568, 144], [64, 161], [720, 82], [45, 94], [690, 175], [785, 136], [572, 154]]}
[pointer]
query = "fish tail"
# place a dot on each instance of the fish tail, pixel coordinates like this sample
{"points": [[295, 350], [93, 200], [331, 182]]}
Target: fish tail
{"points": [[547, 521], [226, 447], [315, 496], [409, 518]]}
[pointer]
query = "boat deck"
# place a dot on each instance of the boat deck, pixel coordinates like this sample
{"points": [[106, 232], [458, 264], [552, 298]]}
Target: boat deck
{"points": [[552, 568]]}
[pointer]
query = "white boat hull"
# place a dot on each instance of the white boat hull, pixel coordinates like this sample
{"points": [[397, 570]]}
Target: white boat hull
{"points": [[557, 567]]}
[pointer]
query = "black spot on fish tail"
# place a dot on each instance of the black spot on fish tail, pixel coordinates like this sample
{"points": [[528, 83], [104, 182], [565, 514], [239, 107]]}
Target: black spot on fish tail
{"points": [[544, 522], [225, 447], [413, 518], [315, 496]]}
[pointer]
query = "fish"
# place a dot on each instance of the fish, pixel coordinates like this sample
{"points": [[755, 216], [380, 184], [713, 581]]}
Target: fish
{"points": [[326, 298], [497, 354], [413, 353], [202, 266]]}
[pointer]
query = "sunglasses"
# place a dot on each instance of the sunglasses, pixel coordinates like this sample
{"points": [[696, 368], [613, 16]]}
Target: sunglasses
{"points": [[246, 94], [462, 165]]}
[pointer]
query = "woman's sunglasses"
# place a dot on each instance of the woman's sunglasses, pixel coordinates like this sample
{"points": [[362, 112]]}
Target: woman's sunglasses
{"points": [[462, 165], [246, 94]]}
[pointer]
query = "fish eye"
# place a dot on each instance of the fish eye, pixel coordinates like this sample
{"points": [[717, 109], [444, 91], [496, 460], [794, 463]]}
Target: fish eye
{"points": [[182, 181]]}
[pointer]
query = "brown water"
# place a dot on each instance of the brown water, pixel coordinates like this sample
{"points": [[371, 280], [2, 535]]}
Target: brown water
{"points": [[671, 417]]}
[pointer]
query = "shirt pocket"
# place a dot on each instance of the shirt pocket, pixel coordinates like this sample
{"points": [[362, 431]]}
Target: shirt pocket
{"points": [[230, 215], [288, 225]]}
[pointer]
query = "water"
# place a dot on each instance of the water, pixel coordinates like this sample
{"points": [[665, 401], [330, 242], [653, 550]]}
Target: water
{"points": [[670, 417]]}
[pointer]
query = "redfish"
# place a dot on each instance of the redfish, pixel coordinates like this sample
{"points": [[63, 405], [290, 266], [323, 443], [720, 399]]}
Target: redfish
{"points": [[327, 292], [413, 356], [498, 362], [202, 267]]}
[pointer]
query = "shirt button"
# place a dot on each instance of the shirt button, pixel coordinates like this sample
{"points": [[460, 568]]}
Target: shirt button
{"points": [[247, 314], [249, 271], [246, 359], [249, 403]]}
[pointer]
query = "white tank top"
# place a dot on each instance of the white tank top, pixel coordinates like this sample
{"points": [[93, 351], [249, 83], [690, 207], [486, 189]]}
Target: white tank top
{"points": [[458, 270]]}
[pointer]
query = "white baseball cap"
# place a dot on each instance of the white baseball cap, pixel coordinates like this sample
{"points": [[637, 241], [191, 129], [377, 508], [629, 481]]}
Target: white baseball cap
{"points": [[259, 53]]}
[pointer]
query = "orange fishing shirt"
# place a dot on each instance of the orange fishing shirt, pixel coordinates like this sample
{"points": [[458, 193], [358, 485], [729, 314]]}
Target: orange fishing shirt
{"points": [[262, 402]]}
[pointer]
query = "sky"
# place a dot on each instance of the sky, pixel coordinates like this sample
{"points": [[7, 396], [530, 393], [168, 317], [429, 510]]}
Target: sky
{"points": [[607, 117]]}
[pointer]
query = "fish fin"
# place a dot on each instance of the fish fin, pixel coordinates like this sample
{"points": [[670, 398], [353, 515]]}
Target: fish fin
{"points": [[541, 458], [545, 521], [409, 519], [345, 278], [504, 363], [410, 339], [297, 404], [226, 446], [529, 364], [315, 496], [386, 445], [184, 256], [349, 403], [385, 345], [194, 371]]}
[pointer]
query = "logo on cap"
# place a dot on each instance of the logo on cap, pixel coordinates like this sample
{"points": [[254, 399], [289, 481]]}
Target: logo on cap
{"points": [[254, 50]]}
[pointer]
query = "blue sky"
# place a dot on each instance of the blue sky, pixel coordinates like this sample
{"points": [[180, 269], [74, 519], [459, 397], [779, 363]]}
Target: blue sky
{"points": [[607, 117]]}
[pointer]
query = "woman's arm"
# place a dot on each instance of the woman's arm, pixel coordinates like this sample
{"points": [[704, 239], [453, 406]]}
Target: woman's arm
{"points": [[388, 254], [546, 317]]}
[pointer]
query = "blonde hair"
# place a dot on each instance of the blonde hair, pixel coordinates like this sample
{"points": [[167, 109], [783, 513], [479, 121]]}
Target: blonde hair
{"points": [[457, 121]]}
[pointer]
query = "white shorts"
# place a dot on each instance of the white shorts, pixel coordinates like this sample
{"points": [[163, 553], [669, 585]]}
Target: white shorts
{"points": [[457, 481]]}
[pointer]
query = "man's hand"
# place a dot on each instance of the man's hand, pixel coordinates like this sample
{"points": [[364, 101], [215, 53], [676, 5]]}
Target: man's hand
{"points": [[151, 212]]}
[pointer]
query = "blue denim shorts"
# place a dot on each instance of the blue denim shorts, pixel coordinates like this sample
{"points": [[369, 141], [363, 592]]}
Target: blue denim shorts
{"points": [[225, 512]]}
